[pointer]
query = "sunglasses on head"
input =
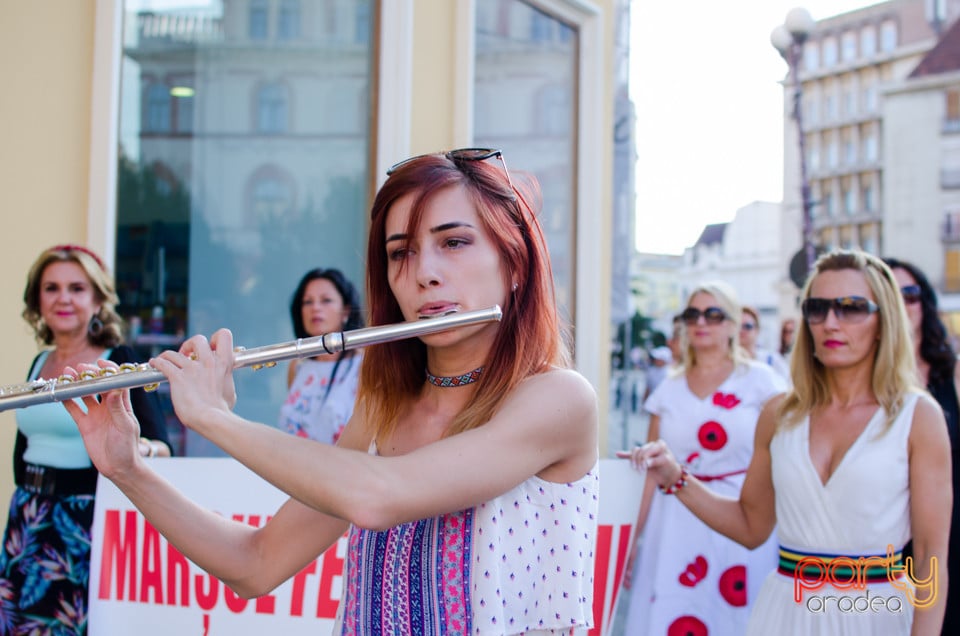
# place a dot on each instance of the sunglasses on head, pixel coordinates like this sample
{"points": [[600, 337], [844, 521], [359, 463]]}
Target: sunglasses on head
{"points": [[712, 315], [910, 293], [463, 154], [847, 309]]}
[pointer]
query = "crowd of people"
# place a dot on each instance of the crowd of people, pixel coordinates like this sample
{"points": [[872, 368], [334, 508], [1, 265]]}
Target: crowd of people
{"points": [[775, 477]]}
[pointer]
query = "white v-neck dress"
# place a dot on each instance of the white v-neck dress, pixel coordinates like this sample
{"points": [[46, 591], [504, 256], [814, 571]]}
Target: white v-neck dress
{"points": [[863, 508]]}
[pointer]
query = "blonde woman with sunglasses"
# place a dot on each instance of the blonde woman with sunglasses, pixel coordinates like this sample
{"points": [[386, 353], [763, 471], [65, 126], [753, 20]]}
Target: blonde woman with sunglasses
{"points": [[849, 465], [684, 577]]}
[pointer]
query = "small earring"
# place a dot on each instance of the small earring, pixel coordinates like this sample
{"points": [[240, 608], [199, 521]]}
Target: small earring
{"points": [[515, 285], [95, 327]]}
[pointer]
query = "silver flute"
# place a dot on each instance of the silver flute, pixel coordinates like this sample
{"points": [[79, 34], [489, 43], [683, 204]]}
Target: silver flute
{"points": [[129, 376]]}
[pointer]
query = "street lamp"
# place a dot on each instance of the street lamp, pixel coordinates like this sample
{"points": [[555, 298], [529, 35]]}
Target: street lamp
{"points": [[788, 39]]}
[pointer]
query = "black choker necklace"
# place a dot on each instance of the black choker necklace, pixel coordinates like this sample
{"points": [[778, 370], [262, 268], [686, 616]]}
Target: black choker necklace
{"points": [[455, 380]]}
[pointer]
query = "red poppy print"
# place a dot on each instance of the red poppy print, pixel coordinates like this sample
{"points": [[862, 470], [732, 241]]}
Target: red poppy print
{"points": [[712, 436], [725, 400], [733, 585], [695, 572], [687, 626]]}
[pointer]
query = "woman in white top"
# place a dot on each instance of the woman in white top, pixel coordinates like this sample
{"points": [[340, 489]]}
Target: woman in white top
{"points": [[323, 389]]}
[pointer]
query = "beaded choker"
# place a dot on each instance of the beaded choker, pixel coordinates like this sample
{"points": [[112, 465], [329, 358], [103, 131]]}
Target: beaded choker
{"points": [[455, 380]]}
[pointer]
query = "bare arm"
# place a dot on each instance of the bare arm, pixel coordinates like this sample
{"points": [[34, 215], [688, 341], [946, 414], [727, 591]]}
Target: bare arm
{"points": [[547, 426], [252, 561], [931, 503], [748, 520]]}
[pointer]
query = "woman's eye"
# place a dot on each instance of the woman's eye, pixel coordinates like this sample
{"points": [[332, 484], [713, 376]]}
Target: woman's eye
{"points": [[399, 254], [455, 242]]}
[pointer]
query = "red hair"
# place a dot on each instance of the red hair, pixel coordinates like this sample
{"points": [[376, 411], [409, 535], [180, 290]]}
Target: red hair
{"points": [[529, 337]]}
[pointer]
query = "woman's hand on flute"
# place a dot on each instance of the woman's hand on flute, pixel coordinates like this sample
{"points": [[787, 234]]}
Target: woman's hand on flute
{"points": [[200, 376], [110, 431], [655, 458]]}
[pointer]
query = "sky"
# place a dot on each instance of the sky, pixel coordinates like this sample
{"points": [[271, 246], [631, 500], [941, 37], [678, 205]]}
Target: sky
{"points": [[706, 84]]}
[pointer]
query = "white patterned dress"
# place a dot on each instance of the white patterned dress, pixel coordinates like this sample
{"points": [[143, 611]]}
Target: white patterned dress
{"points": [[320, 402], [862, 509], [521, 563], [688, 578]]}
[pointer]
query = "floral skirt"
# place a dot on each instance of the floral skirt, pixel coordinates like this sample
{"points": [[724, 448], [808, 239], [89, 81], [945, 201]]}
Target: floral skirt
{"points": [[45, 565]]}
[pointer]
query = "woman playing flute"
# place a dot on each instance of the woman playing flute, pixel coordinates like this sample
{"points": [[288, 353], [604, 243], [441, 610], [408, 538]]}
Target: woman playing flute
{"points": [[473, 450]]}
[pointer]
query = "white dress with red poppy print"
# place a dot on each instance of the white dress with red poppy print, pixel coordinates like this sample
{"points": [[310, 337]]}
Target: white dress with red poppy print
{"points": [[316, 409], [690, 580]]}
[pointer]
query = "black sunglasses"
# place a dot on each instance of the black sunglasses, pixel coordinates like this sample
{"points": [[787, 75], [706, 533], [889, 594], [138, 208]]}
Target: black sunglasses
{"points": [[851, 309], [712, 315], [910, 293], [463, 154]]}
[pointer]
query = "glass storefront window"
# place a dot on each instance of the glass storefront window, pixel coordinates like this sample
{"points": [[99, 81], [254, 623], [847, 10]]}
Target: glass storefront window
{"points": [[528, 111], [244, 162]]}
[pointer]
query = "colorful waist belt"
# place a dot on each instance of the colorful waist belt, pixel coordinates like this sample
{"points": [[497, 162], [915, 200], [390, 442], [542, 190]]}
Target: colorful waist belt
{"points": [[870, 568]]}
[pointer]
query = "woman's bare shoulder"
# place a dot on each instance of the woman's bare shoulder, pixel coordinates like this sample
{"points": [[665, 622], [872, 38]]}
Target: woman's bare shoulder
{"points": [[566, 386]]}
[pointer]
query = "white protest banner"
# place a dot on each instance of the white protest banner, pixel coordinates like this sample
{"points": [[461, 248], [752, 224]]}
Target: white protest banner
{"points": [[140, 584]]}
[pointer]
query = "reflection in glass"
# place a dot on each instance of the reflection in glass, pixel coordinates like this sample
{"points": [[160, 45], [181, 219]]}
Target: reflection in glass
{"points": [[243, 164], [528, 112]]}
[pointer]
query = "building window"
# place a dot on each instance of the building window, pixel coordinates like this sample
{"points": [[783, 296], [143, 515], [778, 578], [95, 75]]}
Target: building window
{"points": [[813, 157], [888, 36], [811, 114], [870, 151], [811, 56], [848, 45], [850, 201], [259, 17], [849, 102], [867, 195], [830, 52], [868, 41], [272, 109], [850, 152], [833, 155], [951, 258], [288, 20], [827, 203], [870, 99], [157, 112], [951, 122]]}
